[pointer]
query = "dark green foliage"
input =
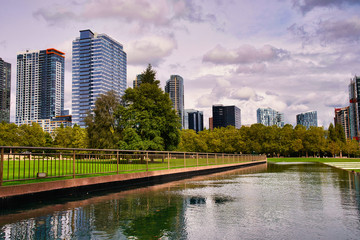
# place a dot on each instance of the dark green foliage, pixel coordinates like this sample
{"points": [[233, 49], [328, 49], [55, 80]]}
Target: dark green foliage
{"points": [[70, 137], [101, 124], [148, 111]]}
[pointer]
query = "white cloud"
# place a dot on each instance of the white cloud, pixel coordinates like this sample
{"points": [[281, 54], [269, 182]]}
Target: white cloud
{"points": [[152, 49]]}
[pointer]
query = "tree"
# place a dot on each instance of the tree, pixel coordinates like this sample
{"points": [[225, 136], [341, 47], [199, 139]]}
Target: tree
{"points": [[148, 110], [101, 123]]}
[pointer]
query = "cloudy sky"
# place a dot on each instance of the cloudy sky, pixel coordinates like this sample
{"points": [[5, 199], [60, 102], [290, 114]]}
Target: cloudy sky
{"points": [[291, 55]]}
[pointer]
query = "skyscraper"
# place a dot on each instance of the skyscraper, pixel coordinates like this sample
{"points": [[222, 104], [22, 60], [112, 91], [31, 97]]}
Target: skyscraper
{"points": [[175, 88], [342, 118], [307, 119], [194, 119], [269, 117], [5, 90], [39, 85], [98, 65], [224, 116], [137, 81], [354, 97]]}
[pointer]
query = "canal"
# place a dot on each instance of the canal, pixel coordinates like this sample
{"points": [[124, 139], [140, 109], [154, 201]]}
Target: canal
{"points": [[273, 201]]}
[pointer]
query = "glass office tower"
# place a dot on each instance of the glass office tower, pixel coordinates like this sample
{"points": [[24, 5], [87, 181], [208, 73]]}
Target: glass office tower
{"points": [[5, 90], [39, 85], [269, 117], [224, 116], [175, 88], [308, 119], [98, 66], [194, 119]]}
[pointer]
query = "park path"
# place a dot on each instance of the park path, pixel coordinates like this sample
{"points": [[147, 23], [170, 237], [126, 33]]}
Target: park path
{"points": [[345, 165]]}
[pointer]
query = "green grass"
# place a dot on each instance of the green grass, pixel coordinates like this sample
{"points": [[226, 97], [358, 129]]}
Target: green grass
{"points": [[24, 170]]}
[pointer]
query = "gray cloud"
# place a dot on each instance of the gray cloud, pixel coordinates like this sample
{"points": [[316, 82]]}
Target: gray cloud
{"points": [[306, 6], [143, 12], [244, 54], [3, 43], [329, 31]]}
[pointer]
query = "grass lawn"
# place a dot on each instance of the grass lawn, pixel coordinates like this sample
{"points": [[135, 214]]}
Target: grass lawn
{"points": [[25, 170]]}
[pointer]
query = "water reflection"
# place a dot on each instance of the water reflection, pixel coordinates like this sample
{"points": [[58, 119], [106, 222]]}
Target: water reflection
{"points": [[276, 201]]}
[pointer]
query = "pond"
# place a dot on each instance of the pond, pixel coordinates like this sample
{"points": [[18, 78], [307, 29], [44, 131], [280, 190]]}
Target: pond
{"points": [[273, 201]]}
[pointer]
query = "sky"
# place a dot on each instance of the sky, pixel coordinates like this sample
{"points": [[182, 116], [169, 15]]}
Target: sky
{"points": [[290, 55]]}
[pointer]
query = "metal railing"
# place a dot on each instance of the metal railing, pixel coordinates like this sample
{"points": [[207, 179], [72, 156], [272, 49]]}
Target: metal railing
{"points": [[28, 163]]}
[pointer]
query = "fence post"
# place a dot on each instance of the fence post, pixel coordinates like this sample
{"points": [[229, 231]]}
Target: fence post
{"points": [[207, 159], [184, 160], [147, 160], [117, 162], [1, 166], [223, 158], [168, 160], [215, 158], [197, 159], [73, 163]]}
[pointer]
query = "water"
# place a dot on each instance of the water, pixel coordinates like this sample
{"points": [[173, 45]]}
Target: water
{"points": [[277, 201]]}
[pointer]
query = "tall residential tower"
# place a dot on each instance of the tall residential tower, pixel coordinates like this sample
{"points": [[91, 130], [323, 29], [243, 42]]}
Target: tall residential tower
{"points": [[354, 108], [98, 66], [175, 88], [5, 90], [39, 85]]}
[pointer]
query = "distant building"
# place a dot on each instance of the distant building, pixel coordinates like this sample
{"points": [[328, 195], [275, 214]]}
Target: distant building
{"points": [[98, 66], [39, 85], [269, 117], [342, 118], [224, 116], [5, 91], [49, 125], [137, 81], [308, 119], [211, 124], [194, 120], [175, 88], [354, 97]]}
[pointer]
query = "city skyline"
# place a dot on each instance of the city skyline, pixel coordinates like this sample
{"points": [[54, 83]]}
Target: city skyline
{"points": [[291, 56]]}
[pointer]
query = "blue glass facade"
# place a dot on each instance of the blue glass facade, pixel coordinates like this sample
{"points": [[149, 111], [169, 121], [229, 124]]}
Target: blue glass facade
{"points": [[175, 88], [308, 119], [354, 108], [269, 117], [224, 116], [5, 90], [98, 66]]}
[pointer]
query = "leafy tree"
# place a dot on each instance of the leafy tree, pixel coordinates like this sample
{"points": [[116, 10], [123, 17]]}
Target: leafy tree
{"points": [[9, 134], [148, 110], [101, 123], [32, 135]]}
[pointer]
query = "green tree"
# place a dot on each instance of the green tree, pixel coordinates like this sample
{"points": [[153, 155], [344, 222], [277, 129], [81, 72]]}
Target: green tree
{"points": [[32, 135], [148, 110], [101, 123], [9, 134]]}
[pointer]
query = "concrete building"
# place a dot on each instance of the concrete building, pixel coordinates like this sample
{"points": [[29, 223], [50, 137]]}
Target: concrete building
{"points": [[194, 119], [39, 85], [224, 116], [175, 88], [49, 125], [307, 119], [269, 117], [5, 91], [98, 65], [342, 118]]}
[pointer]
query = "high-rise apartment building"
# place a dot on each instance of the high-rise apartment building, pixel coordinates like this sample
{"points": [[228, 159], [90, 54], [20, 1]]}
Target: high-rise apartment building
{"points": [[269, 117], [5, 90], [224, 116], [342, 118], [39, 85], [98, 66], [137, 81], [307, 119], [194, 119], [175, 88], [354, 108]]}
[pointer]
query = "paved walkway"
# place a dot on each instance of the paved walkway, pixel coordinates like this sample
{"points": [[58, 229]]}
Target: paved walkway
{"points": [[344, 165]]}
